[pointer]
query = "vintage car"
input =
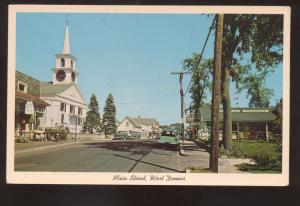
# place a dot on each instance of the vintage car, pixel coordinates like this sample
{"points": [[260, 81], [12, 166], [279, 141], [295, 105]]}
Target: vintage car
{"points": [[169, 137], [120, 136], [135, 135]]}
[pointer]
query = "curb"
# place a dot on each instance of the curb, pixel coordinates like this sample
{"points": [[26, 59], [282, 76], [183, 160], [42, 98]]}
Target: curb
{"points": [[44, 147], [202, 145], [181, 150]]}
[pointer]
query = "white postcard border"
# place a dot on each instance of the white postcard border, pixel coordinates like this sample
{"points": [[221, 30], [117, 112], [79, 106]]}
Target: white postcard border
{"points": [[104, 178]]}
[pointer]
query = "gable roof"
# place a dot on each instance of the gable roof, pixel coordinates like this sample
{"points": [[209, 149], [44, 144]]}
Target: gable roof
{"points": [[137, 122], [48, 89], [30, 97], [243, 114], [147, 121]]}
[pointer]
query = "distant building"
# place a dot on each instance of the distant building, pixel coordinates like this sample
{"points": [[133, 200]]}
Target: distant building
{"points": [[67, 105], [146, 127], [247, 123], [29, 107]]}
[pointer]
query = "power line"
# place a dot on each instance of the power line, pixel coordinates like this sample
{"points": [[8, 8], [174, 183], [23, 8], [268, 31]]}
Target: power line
{"points": [[146, 101], [201, 54]]}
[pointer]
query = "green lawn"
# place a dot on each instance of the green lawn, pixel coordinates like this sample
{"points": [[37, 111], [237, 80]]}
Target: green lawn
{"points": [[267, 156]]}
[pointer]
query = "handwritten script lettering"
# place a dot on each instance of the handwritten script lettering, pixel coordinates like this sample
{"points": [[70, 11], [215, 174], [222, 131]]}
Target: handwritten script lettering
{"points": [[145, 178]]}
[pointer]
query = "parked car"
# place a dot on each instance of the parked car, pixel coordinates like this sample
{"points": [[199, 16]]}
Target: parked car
{"points": [[169, 137], [135, 135], [120, 136], [130, 137]]}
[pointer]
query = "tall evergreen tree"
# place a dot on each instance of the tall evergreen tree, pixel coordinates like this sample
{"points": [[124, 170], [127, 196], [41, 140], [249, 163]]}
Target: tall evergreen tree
{"points": [[109, 116], [93, 119]]}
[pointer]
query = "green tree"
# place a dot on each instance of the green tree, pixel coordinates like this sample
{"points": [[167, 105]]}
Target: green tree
{"points": [[93, 119], [257, 92], [109, 116], [257, 38], [200, 82]]}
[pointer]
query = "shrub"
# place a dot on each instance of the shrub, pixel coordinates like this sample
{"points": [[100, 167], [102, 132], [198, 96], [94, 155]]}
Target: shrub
{"points": [[267, 155], [67, 130], [62, 134], [265, 159]]}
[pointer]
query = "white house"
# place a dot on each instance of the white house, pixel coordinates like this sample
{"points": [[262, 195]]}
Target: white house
{"points": [[67, 105], [147, 127]]}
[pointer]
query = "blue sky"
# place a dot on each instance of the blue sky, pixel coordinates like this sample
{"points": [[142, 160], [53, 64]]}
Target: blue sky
{"points": [[128, 55]]}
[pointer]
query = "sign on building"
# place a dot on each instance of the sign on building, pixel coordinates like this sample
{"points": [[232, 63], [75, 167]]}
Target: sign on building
{"points": [[29, 108]]}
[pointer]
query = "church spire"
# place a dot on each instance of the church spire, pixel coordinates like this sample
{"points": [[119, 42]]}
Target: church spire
{"points": [[67, 41]]}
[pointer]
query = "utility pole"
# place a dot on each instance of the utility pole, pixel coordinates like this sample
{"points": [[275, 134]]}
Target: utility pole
{"points": [[181, 101], [214, 142]]}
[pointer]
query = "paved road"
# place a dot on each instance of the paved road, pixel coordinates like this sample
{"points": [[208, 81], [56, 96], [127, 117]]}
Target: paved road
{"points": [[111, 156]]}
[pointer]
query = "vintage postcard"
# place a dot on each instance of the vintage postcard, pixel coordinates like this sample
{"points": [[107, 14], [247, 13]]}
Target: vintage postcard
{"points": [[148, 95]]}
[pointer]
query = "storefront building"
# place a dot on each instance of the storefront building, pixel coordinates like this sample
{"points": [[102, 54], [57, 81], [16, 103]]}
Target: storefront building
{"points": [[247, 123], [29, 107]]}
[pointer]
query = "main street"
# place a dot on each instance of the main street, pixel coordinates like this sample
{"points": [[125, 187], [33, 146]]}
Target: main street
{"points": [[112, 156]]}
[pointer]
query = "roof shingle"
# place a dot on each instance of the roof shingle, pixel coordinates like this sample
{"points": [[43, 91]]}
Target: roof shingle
{"points": [[48, 89], [137, 122], [243, 114], [30, 97]]}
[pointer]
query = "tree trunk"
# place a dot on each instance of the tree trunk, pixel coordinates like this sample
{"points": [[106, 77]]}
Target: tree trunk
{"points": [[227, 117]]}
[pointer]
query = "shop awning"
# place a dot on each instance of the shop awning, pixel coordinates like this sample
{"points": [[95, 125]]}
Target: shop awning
{"points": [[30, 97]]}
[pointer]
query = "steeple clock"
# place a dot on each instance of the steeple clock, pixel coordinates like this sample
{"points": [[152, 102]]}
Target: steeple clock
{"points": [[65, 68]]}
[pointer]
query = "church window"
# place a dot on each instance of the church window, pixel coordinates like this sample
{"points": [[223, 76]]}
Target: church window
{"points": [[71, 64], [79, 111], [62, 62], [62, 107], [127, 124], [79, 121], [72, 109]]}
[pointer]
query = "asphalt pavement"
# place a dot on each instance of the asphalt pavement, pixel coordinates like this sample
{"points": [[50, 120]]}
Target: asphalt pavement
{"points": [[111, 156], [120, 156]]}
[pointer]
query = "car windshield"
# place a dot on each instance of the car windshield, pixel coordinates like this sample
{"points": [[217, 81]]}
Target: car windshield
{"points": [[168, 133]]}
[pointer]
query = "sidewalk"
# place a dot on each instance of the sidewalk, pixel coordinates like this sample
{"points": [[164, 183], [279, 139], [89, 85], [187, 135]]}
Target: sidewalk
{"points": [[34, 146], [226, 165]]}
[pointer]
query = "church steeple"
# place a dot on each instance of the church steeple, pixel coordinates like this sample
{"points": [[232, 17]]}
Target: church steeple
{"points": [[67, 41], [65, 68]]}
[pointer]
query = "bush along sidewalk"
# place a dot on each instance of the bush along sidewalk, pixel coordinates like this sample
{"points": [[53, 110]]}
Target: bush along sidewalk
{"points": [[62, 133], [267, 156]]}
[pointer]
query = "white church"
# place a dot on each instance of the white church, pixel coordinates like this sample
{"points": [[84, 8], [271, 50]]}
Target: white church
{"points": [[67, 105]]}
